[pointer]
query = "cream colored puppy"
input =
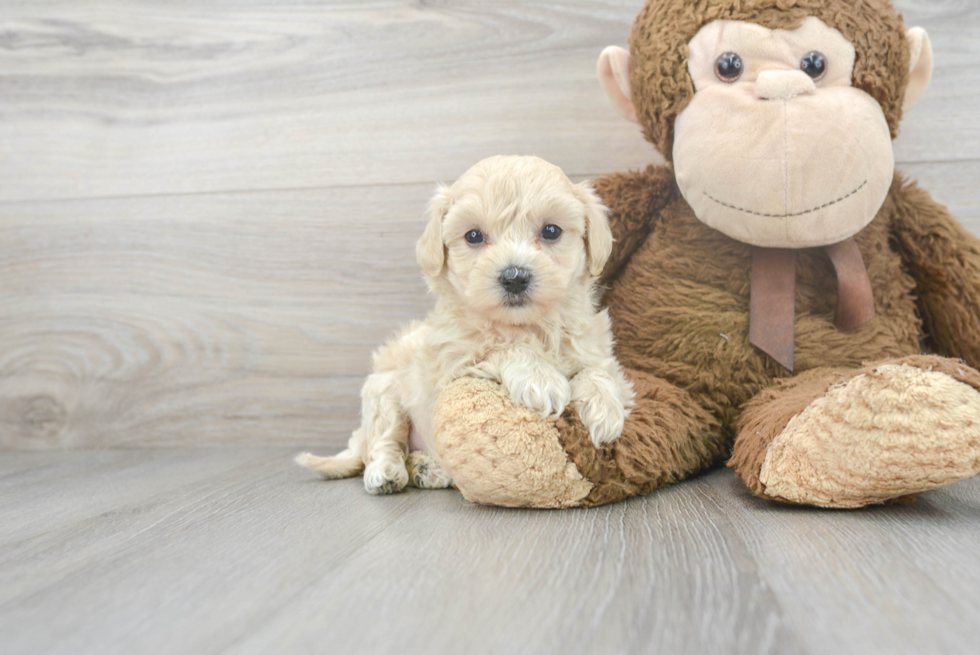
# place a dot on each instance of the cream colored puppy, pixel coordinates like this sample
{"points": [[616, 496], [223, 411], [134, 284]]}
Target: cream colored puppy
{"points": [[511, 251]]}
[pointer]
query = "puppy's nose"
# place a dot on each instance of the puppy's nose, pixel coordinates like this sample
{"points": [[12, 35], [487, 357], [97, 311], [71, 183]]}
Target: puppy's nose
{"points": [[515, 279]]}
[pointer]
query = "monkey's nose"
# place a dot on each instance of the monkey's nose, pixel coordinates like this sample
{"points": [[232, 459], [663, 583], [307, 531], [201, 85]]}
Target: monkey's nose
{"points": [[783, 85], [515, 279]]}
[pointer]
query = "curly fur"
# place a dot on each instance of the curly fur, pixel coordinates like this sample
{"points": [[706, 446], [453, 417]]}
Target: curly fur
{"points": [[547, 344]]}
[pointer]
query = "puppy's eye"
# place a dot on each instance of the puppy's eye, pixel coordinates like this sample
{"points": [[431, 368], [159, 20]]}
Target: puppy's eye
{"points": [[474, 237], [550, 232], [729, 66]]}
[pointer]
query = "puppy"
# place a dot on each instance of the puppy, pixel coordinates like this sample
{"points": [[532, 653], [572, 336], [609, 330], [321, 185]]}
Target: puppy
{"points": [[511, 252]]}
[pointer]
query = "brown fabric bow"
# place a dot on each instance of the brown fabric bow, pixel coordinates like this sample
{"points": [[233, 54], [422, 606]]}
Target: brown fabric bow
{"points": [[771, 304]]}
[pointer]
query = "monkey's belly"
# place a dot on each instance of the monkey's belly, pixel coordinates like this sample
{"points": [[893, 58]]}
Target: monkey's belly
{"points": [[680, 311]]}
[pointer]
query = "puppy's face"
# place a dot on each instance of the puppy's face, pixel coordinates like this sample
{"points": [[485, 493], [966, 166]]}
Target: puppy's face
{"points": [[515, 238]]}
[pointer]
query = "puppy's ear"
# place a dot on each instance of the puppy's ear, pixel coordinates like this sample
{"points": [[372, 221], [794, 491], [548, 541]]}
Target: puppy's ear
{"points": [[430, 252], [598, 236]]}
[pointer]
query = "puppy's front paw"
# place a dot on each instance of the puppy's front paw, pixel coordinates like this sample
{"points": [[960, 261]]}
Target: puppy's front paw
{"points": [[538, 386], [600, 406], [603, 418], [385, 476]]}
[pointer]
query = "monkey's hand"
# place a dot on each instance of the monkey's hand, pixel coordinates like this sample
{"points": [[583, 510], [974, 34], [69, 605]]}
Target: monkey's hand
{"points": [[944, 259]]}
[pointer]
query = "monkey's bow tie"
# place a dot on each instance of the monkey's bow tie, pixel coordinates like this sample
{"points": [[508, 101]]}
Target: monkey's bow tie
{"points": [[771, 304]]}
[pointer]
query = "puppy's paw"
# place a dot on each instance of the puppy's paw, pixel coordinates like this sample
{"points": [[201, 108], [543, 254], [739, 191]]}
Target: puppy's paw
{"points": [[538, 386], [385, 476], [425, 471], [603, 418], [599, 405]]}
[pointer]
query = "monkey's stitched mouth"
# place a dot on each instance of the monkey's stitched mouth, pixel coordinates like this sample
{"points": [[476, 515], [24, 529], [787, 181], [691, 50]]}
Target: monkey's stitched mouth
{"points": [[807, 211]]}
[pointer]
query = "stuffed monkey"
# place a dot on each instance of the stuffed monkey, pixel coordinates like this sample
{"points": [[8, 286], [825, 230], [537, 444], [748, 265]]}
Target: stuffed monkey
{"points": [[772, 286]]}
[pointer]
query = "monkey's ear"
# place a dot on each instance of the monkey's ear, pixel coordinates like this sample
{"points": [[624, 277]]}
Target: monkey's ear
{"points": [[614, 75], [598, 236], [430, 252], [920, 65]]}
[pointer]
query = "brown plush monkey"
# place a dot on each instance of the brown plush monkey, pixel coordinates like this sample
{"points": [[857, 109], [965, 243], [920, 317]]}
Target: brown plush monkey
{"points": [[770, 286]]}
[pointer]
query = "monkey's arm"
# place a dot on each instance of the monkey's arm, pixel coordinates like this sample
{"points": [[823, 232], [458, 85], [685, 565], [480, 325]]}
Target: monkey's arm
{"points": [[944, 259], [634, 199]]}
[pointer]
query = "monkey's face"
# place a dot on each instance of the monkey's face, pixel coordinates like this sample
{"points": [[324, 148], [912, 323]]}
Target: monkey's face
{"points": [[776, 148]]}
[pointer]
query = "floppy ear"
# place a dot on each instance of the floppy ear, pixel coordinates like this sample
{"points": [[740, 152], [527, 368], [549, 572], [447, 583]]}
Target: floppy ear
{"points": [[920, 65], [430, 252], [614, 76], [598, 236]]}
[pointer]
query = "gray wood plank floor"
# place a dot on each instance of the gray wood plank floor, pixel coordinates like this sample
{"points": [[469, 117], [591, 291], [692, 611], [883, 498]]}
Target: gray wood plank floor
{"points": [[235, 550]]}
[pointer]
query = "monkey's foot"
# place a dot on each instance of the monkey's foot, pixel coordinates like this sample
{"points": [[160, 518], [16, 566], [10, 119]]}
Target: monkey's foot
{"points": [[888, 431]]}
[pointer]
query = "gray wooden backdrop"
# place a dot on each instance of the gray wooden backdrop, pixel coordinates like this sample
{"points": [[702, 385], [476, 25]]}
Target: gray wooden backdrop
{"points": [[208, 210]]}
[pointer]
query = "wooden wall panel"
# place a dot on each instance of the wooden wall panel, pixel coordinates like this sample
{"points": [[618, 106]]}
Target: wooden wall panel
{"points": [[207, 213]]}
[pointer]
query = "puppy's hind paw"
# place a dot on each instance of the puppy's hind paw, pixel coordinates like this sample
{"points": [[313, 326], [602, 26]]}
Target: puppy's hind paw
{"points": [[425, 471], [382, 477]]}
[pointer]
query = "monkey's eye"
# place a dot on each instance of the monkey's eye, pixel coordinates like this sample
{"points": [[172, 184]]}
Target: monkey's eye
{"points": [[474, 237], [728, 68], [550, 232], [814, 65]]}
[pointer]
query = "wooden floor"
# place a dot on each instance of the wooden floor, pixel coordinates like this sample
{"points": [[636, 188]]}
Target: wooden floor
{"points": [[238, 551]]}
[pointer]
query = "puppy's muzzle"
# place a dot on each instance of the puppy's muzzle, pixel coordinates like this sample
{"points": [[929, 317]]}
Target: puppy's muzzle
{"points": [[515, 280]]}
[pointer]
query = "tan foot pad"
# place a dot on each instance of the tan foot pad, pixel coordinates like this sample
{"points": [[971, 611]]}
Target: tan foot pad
{"points": [[501, 454], [894, 431]]}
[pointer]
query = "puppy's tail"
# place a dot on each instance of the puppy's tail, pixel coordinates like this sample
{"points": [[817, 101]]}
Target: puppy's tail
{"points": [[345, 464]]}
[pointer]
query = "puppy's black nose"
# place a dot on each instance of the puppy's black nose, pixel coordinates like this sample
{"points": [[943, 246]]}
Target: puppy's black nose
{"points": [[515, 280]]}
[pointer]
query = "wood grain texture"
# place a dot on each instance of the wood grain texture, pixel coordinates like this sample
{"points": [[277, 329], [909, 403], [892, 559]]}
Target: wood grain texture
{"points": [[200, 318], [235, 550], [901, 575], [135, 98], [208, 212]]}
